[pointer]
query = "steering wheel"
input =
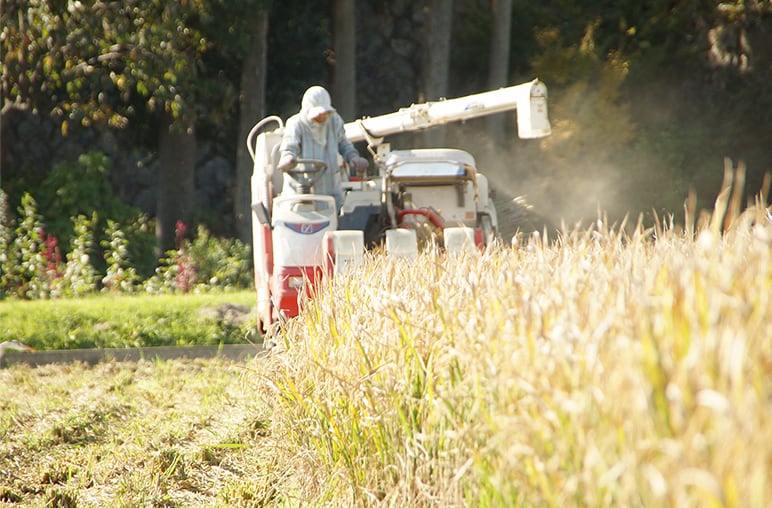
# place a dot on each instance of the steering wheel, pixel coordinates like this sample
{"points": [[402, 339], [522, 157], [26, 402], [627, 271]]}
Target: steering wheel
{"points": [[306, 173]]}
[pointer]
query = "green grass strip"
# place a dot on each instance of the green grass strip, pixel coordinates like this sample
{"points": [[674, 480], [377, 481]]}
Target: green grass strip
{"points": [[108, 321]]}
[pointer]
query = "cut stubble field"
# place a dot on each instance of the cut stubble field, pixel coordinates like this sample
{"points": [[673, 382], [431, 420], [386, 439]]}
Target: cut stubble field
{"points": [[606, 368]]}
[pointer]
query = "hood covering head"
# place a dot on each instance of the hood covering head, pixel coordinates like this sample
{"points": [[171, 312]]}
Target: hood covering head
{"points": [[316, 101]]}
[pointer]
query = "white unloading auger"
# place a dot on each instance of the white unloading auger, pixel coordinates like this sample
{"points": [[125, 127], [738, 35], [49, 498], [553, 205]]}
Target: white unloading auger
{"points": [[529, 99]]}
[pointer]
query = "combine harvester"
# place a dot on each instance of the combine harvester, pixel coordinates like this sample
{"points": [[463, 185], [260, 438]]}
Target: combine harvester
{"points": [[301, 237]]}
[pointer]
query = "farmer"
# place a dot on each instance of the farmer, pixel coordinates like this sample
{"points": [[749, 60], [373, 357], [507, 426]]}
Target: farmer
{"points": [[316, 132]]}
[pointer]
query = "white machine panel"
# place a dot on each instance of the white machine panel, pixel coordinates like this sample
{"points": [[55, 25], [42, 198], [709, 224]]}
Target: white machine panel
{"points": [[299, 224], [459, 239], [402, 243], [349, 247]]}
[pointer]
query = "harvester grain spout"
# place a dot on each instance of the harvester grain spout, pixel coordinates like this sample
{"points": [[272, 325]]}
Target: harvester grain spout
{"points": [[529, 99]]}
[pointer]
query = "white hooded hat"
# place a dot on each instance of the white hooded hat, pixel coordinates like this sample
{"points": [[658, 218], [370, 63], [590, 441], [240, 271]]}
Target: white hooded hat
{"points": [[316, 101]]}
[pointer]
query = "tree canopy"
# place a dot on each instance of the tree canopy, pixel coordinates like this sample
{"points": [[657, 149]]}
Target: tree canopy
{"points": [[656, 90]]}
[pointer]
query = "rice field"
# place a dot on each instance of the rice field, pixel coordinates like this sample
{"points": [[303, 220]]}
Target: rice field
{"points": [[612, 366], [606, 369]]}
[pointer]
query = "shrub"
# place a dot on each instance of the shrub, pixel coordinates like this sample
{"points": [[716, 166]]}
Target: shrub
{"points": [[82, 188], [80, 276], [120, 273], [201, 263], [27, 265], [221, 262], [30, 260], [52, 257], [6, 238], [31, 264], [175, 272]]}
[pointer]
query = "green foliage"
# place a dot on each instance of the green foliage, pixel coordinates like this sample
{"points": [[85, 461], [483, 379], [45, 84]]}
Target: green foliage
{"points": [[203, 262], [27, 273], [120, 274], [172, 274], [31, 264], [142, 243], [80, 276], [176, 271], [221, 262], [71, 189], [6, 239], [110, 320], [99, 63]]}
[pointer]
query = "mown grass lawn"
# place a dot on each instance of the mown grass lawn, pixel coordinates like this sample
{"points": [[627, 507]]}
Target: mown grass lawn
{"points": [[130, 320]]}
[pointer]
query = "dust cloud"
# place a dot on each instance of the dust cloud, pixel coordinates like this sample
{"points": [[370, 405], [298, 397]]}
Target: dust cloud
{"points": [[555, 190]]}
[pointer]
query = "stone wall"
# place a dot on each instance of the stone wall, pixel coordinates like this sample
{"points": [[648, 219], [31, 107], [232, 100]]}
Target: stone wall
{"points": [[34, 144]]}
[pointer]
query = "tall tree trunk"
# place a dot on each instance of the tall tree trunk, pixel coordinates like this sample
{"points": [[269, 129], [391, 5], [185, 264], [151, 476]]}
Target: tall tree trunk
{"points": [[252, 101], [498, 63], [344, 65], [438, 25], [3, 138], [176, 182]]}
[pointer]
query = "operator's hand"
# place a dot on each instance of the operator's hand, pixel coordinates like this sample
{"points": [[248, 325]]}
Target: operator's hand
{"points": [[359, 164], [286, 162]]}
